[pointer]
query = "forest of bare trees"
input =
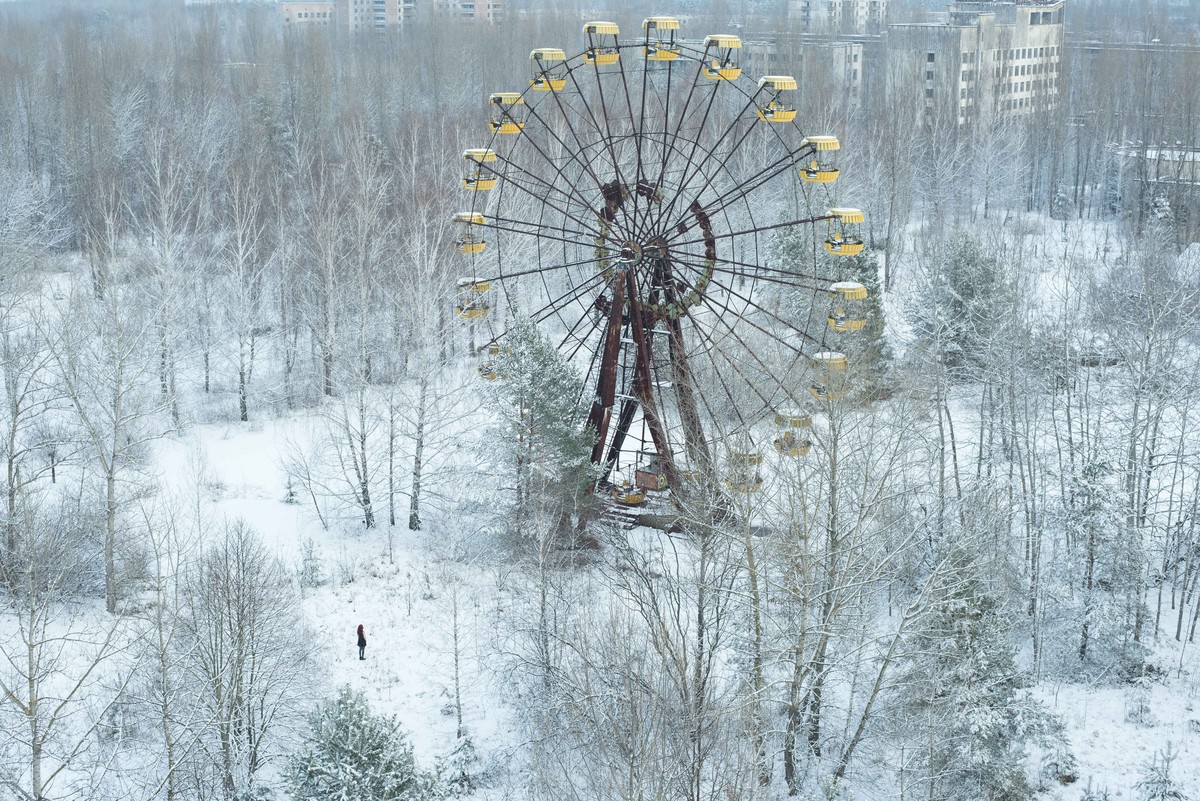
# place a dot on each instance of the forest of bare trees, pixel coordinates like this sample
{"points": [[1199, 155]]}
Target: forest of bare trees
{"points": [[211, 224]]}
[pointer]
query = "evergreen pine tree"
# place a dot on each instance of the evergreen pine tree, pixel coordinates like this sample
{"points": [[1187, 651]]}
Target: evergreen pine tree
{"points": [[351, 755], [963, 306], [867, 350], [962, 694], [543, 440]]}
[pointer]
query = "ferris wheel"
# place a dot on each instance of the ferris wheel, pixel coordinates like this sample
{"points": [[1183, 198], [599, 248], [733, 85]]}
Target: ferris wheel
{"points": [[658, 214]]}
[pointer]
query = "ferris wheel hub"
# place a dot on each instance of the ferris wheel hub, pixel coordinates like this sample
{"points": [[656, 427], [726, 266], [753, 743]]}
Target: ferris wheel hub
{"points": [[630, 254]]}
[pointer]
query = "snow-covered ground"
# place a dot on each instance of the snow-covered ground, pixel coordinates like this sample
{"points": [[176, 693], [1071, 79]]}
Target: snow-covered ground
{"points": [[406, 607]]}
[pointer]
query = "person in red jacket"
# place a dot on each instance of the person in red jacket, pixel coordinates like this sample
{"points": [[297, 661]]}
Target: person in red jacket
{"points": [[362, 642]]}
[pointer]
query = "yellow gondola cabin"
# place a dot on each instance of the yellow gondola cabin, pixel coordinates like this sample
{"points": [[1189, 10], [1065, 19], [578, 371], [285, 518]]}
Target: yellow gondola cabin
{"points": [[603, 47], [626, 493], [830, 384], [844, 239], [660, 38], [472, 298], [548, 69], [475, 177], [489, 370], [470, 243], [772, 88], [720, 64], [819, 170], [508, 113], [847, 312], [793, 440], [743, 471]]}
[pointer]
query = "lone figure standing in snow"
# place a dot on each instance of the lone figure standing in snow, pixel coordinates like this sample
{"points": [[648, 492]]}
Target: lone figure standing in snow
{"points": [[362, 642]]}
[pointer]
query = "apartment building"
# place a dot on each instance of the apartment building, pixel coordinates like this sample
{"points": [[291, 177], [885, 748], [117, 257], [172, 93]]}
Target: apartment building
{"points": [[837, 16], [356, 16], [483, 10], [825, 66], [297, 14], [989, 59]]}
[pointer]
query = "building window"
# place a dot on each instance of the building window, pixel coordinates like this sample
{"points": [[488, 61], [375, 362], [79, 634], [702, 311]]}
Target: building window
{"points": [[929, 57], [929, 91], [929, 75]]}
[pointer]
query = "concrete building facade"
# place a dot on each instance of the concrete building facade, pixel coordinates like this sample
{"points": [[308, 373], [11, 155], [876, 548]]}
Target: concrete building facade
{"points": [[309, 13], [988, 60], [837, 16], [355, 16]]}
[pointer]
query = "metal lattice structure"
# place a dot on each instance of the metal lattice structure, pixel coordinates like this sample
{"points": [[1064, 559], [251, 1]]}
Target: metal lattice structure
{"points": [[630, 201]]}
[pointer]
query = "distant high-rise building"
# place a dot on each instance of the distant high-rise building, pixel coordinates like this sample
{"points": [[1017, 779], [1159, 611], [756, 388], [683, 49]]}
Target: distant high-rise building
{"points": [[354, 16], [307, 13], [989, 59], [373, 15], [837, 16], [485, 10]]}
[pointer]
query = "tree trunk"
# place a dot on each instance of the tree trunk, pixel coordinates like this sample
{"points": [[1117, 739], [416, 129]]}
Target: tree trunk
{"points": [[414, 498]]}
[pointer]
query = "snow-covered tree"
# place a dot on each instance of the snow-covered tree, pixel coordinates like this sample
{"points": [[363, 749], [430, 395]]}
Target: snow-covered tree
{"points": [[961, 304], [350, 754], [543, 441], [961, 694], [248, 653]]}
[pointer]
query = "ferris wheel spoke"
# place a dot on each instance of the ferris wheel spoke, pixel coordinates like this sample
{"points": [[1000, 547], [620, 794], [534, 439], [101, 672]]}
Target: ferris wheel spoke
{"points": [[745, 188], [739, 190], [708, 176], [669, 147], [732, 405], [555, 307], [581, 148], [537, 179], [752, 100], [580, 339], [695, 143], [503, 276], [766, 371], [573, 195], [746, 300], [589, 240], [698, 167], [510, 181], [604, 133], [575, 153], [639, 134], [754, 270], [755, 230]]}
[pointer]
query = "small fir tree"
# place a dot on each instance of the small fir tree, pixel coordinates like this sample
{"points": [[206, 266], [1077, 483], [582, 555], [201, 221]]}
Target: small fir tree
{"points": [[351, 755], [1156, 783]]}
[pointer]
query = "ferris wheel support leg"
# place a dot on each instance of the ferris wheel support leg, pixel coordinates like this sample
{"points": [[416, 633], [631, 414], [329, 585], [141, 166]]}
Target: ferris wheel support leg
{"points": [[693, 429], [624, 421], [643, 389], [606, 384]]}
